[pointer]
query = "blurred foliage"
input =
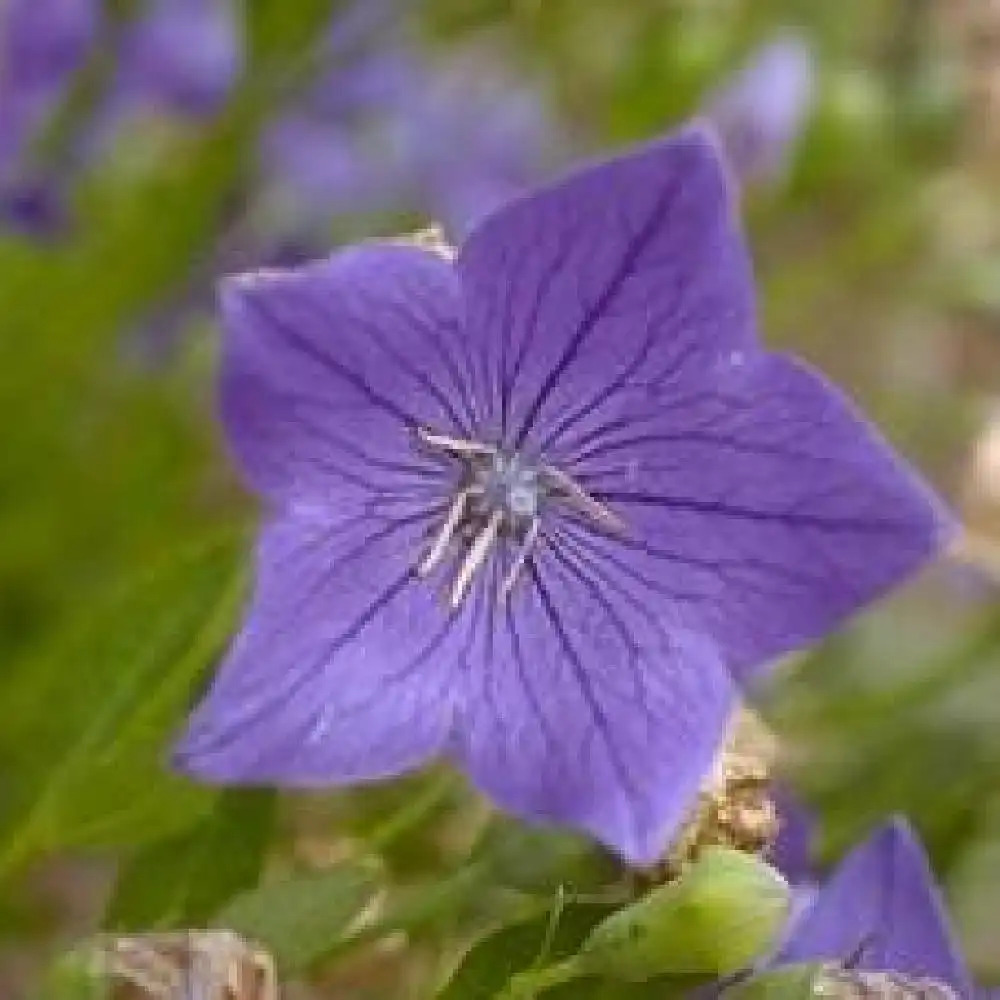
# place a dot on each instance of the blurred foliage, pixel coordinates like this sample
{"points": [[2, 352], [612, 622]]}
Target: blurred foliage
{"points": [[122, 530]]}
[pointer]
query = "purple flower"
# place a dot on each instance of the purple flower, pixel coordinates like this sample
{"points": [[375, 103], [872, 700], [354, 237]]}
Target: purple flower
{"points": [[179, 56], [317, 169], [540, 507], [321, 157], [880, 915], [392, 134], [792, 851], [760, 112], [34, 207], [42, 44], [467, 141], [182, 56]]}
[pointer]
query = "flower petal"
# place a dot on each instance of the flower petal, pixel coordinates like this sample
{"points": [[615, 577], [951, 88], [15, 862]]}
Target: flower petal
{"points": [[344, 669], [760, 111], [585, 709], [760, 503], [792, 850], [627, 269], [882, 912], [329, 370]]}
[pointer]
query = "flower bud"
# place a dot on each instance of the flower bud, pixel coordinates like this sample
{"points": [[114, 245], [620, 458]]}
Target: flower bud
{"points": [[723, 912]]}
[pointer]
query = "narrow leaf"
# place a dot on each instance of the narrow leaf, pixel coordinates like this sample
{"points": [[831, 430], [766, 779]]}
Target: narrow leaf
{"points": [[91, 720], [300, 919], [497, 957], [180, 882]]}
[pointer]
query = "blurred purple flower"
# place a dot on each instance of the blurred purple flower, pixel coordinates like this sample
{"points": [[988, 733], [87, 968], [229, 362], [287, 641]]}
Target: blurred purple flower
{"points": [[760, 112], [355, 24], [34, 207], [467, 141], [881, 913], [371, 83], [181, 56], [321, 157], [385, 131], [42, 44], [539, 508], [318, 169]]}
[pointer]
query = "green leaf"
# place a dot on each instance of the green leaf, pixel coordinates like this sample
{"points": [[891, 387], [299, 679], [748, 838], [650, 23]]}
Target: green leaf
{"points": [[89, 722], [722, 913], [566, 981], [72, 976], [300, 919], [400, 820], [540, 861], [421, 908], [181, 881], [493, 960]]}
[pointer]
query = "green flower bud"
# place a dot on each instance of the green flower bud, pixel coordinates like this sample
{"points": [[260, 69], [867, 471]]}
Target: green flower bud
{"points": [[723, 912]]}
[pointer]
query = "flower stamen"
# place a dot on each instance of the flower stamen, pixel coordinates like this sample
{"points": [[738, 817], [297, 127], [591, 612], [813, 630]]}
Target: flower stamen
{"points": [[521, 557], [577, 497], [500, 495], [457, 446], [451, 524], [476, 556]]}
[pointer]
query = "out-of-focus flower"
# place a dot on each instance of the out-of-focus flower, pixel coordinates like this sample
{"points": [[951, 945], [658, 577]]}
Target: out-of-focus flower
{"points": [[181, 57], [467, 141], [34, 207], [42, 44], [392, 133], [540, 504], [324, 156], [880, 922], [760, 112]]}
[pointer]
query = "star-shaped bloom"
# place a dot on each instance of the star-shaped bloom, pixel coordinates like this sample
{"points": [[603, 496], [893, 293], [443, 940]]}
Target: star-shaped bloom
{"points": [[540, 506], [880, 920], [760, 112]]}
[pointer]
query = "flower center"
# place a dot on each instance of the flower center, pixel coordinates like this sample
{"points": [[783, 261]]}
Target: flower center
{"points": [[854, 984], [501, 497]]}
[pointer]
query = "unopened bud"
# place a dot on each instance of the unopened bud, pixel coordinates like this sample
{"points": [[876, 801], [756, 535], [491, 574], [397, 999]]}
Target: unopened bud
{"points": [[723, 912]]}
